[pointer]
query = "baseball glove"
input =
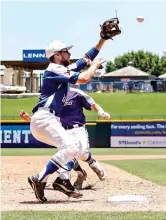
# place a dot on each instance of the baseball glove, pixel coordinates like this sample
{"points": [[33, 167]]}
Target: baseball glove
{"points": [[110, 29]]}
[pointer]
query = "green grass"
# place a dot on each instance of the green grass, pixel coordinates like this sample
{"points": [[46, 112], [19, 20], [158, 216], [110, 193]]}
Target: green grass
{"points": [[32, 215], [16, 105], [151, 169], [130, 106], [94, 151]]}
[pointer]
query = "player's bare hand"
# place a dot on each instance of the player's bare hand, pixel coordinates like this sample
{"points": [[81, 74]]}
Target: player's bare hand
{"points": [[98, 62], [105, 115]]}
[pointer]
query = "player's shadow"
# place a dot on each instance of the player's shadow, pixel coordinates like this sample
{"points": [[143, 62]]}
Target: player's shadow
{"points": [[88, 187], [58, 201]]}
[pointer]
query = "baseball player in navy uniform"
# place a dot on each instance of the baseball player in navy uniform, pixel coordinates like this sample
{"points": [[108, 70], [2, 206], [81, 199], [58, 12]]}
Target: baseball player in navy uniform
{"points": [[73, 120], [45, 126]]}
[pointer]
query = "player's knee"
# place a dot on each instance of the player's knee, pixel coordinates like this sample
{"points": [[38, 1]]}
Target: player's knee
{"points": [[72, 145], [84, 156]]}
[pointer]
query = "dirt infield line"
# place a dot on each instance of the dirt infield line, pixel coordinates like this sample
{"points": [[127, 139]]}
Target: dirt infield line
{"points": [[129, 157], [101, 157]]}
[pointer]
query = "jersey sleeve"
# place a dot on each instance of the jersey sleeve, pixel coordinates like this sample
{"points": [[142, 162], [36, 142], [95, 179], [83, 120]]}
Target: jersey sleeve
{"points": [[82, 63], [86, 101], [78, 65], [61, 75], [74, 77]]}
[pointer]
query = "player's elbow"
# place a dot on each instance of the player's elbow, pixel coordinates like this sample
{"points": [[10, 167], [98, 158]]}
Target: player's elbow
{"points": [[83, 80]]}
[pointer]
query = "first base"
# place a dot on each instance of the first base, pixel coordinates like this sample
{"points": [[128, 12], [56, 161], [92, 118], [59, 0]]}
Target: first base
{"points": [[127, 198]]}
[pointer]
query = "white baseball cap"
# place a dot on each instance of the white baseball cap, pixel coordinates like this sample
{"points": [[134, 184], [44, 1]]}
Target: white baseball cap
{"points": [[56, 46]]}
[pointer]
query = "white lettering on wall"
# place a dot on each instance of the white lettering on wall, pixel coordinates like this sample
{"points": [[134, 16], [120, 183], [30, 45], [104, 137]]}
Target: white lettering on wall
{"points": [[38, 55], [7, 136], [16, 136], [26, 132], [34, 55]]}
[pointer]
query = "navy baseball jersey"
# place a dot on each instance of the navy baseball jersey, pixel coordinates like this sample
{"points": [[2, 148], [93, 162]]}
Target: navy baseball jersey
{"points": [[55, 87], [72, 111]]}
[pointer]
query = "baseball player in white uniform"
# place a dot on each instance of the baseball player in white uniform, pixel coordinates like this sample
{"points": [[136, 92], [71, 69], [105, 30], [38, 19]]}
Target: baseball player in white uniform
{"points": [[73, 120], [45, 126]]}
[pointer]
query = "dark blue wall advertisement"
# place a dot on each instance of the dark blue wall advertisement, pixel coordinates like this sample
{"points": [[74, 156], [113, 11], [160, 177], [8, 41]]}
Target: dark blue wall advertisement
{"points": [[138, 134], [122, 134], [34, 56], [18, 135]]}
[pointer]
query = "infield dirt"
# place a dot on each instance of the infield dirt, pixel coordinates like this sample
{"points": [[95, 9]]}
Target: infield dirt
{"points": [[18, 195]]}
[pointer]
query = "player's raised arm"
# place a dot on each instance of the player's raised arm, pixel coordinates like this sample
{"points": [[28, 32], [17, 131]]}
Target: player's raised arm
{"points": [[53, 74], [87, 75], [109, 29], [88, 57], [93, 52]]}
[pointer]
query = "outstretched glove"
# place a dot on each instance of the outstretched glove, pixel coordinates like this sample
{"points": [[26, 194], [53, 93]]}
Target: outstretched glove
{"points": [[110, 29]]}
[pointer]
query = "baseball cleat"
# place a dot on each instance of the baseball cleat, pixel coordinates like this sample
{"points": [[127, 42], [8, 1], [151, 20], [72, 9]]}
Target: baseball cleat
{"points": [[37, 187], [66, 187], [44, 184], [100, 172], [80, 179]]}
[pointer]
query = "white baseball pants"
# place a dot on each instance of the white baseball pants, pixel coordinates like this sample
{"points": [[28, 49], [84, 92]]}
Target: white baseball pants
{"points": [[82, 135], [46, 128]]}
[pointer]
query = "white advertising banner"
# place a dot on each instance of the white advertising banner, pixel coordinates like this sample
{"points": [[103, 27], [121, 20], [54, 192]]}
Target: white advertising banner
{"points": [[138, 141], [138, 134]]}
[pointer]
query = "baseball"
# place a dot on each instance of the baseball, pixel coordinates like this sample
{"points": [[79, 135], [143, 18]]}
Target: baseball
{"points": [[140, 19]]}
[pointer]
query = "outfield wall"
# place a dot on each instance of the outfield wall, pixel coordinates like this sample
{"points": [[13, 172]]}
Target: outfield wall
{"points": [[102, 134], [15, 134]]}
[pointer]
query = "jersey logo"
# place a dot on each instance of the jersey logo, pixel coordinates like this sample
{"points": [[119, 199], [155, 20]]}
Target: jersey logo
{"points": [[68, 103], [64, 100]]}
